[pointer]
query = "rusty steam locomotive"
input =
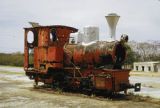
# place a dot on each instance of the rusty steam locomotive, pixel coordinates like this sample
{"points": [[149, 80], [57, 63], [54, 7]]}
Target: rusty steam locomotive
{"points": [[60, 63]]}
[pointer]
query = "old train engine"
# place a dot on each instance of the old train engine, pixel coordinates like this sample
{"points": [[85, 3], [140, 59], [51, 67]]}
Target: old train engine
{"points": [[50, 58]]}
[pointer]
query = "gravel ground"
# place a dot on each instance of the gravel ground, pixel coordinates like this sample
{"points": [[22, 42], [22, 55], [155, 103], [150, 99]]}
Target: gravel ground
{"points": [[11, 69], [17, 91]]}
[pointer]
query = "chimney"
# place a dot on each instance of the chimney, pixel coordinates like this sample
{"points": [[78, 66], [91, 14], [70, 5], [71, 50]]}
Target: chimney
{"points": [[112, 20]]}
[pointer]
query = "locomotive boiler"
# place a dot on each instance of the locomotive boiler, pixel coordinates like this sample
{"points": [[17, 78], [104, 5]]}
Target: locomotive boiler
{"points": [[100, 53], [50, 58]]}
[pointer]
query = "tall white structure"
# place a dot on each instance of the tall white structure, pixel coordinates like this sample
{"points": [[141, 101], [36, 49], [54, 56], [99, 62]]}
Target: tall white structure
{"points": [[80, 37], [91, 33], [112, 20]]}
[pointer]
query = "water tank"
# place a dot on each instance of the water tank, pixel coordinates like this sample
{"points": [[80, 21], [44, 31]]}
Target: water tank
{"points": [[112, 20]]}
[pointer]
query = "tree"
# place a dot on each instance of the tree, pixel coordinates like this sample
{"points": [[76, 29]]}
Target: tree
{"points": [[146, 51]]}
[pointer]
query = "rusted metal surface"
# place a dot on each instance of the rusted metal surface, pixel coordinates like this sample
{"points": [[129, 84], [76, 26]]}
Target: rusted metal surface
{"points": [[111, 79], [97, 54], [47, 53]]}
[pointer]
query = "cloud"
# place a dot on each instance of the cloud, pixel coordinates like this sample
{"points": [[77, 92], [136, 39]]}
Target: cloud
{"points": [[139, 18]]}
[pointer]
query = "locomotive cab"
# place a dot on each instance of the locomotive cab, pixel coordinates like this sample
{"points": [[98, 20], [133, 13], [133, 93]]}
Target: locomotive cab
{"points": [[46, 49]]}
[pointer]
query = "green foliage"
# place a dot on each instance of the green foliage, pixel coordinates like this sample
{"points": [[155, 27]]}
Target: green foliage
{"points": [[131, 55], [13, 59]]}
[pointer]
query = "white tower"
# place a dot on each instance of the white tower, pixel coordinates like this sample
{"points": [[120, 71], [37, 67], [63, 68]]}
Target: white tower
{"points": [[112, 20]]}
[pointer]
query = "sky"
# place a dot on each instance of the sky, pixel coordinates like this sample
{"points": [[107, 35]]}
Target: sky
{"points": [[140, 19]]}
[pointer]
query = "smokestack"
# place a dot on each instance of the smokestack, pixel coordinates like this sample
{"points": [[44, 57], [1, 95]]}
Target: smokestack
{"points": [[112, 20]]}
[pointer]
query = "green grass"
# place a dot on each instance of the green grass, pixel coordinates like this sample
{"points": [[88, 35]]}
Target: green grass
{"points": [[12, 59]]}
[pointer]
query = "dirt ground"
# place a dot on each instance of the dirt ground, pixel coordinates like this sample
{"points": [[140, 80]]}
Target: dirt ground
{"points": [[17, 91], [147, 74]]}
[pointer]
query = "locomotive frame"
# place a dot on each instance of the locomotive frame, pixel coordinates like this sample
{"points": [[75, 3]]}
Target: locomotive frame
{"points": [[47, 64]]}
